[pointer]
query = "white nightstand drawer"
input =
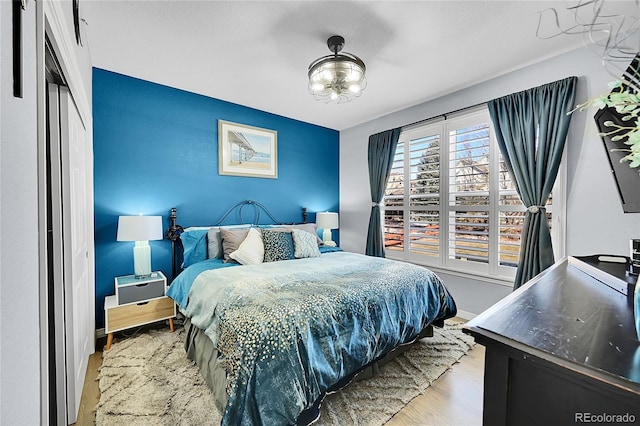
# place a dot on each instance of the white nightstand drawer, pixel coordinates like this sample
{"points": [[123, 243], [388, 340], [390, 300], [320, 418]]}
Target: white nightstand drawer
{"points": [[132, 315]]}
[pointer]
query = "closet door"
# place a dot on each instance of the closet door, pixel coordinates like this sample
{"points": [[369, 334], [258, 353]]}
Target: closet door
{"points": [[55, 263], [77, 237]]}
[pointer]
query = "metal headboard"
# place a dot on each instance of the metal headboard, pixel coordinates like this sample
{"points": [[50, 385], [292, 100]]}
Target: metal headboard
{"points": [[174, 231], [257, 209]]}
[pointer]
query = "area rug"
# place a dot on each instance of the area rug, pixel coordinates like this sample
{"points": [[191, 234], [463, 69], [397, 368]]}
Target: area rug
{"points": [[148, 380]]}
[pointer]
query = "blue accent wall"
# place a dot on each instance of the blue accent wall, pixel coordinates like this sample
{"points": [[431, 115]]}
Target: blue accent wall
{"points": [[156, 147]]}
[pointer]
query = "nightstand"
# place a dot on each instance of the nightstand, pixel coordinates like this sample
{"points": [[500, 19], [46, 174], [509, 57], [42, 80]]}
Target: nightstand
{"points": [[137, 302]]}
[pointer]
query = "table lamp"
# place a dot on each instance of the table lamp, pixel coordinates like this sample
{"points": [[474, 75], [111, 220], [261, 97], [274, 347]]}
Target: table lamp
{"points": [[140, 229], [327, 221]]}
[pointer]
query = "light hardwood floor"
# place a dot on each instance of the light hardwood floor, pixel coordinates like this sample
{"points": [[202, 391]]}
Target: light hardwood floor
{"points": [[454, 399]]}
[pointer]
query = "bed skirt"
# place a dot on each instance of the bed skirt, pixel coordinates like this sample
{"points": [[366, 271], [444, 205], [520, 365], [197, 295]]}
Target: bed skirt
{"points": [[200, 349]]}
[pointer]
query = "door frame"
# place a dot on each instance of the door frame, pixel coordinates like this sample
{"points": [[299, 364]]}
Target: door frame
{"points": [[52, 25]]}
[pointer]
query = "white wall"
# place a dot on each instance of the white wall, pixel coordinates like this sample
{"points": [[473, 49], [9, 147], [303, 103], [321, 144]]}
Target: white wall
{"points": [[19, 264], [595, 221]]}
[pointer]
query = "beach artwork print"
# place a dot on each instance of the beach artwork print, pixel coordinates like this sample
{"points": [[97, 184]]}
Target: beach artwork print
{"points": [[247, 151]]}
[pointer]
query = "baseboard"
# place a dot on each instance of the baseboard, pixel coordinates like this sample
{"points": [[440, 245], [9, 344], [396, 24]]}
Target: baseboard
{"points": [[466, 315], [100, 333]]}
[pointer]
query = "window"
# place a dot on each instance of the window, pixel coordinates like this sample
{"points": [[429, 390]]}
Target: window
{"points": [[450, 201]]}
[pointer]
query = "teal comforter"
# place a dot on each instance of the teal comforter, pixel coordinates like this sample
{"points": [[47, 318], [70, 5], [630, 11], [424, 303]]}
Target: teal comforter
{"points": [[287, 331]]}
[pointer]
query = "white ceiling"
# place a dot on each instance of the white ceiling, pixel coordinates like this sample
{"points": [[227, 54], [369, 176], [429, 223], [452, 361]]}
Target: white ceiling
{"points": [[256, 53]]}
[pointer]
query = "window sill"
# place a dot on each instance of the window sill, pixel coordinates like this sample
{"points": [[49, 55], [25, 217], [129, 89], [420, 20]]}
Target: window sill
{"points": [[493, 279]]}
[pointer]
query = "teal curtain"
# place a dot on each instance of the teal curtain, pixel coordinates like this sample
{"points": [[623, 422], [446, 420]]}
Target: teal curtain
{"points": [[531, 128], [382, 149]]}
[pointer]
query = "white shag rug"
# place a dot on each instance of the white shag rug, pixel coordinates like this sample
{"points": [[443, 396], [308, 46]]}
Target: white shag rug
{"points": [[148, 380]]}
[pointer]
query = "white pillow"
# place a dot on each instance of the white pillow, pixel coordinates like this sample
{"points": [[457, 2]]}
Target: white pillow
{"points": [[251, 250], [304, 244]]}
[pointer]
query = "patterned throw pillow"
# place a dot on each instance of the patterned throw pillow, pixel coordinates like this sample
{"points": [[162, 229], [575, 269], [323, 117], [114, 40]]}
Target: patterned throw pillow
{"points": [[277, 245], [304, 244]]}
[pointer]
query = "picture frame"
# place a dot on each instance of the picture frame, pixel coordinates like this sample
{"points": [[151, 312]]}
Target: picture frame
{"points": [[247, 150]]}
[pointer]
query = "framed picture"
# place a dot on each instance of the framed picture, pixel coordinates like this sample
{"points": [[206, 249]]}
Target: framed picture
{"points": [[247, 151]]}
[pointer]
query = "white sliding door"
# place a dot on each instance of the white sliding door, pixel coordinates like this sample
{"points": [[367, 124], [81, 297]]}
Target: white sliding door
{"points": [[72, 211], [57, 333]]}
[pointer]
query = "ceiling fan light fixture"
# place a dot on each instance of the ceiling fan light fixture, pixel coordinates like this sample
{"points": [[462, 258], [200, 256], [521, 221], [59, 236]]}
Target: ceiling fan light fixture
{"points": [[339, 77]]}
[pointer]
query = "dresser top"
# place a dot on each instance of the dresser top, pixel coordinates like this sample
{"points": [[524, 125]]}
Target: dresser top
{"points": [[570, 313]]}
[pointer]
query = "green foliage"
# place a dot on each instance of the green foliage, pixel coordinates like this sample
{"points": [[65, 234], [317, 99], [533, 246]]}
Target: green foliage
{"points": [[627, 104]]}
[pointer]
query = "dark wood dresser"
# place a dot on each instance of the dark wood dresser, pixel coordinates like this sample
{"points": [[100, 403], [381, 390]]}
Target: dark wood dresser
{"points": [[561, 350]]}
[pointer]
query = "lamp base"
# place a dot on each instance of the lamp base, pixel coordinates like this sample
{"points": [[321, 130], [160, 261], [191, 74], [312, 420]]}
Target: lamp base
{"points": [[326, 238], [142, 259]]}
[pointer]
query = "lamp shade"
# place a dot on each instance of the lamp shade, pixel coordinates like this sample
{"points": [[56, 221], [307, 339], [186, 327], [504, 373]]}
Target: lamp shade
{"points": [[327, 220], [139, 228]]}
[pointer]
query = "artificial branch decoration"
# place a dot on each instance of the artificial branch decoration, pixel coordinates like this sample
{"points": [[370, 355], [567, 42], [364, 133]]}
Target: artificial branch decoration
{"points": [[626, 102], [610, 29], [614, 36]]}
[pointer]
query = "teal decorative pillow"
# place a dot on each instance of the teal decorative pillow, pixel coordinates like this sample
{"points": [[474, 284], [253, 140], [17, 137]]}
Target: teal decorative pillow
{"points": [[194, 243], [278, 245], [304, 244]]}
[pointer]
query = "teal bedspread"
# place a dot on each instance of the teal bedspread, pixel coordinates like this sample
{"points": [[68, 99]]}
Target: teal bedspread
{"points": [[287, 331]]}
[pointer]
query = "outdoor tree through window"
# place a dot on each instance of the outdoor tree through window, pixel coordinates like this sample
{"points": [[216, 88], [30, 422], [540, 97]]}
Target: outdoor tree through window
{"points": [[450, 200]]}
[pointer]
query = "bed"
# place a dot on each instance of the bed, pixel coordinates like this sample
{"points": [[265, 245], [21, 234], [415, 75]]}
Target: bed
{"points": [[272, 338]]}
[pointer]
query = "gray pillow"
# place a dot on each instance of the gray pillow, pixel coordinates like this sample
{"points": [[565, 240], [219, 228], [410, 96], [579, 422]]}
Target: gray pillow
{"points": [[214, 244], [231, 240], [309, 227]]}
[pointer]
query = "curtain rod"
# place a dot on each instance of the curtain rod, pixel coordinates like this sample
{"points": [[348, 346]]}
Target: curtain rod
{"points": [[472, 106], [424, 120]]}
